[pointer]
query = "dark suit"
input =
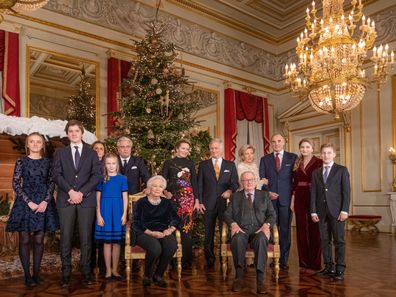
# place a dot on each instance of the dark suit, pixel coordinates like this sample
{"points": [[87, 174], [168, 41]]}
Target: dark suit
{"points": [[83, 179], [280, 183], [210, 190], [136, 172], [250, 220], [327, 201]]}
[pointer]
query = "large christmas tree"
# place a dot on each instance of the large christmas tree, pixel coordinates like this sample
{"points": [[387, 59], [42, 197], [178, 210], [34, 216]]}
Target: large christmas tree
{"points": [[155, 110]]}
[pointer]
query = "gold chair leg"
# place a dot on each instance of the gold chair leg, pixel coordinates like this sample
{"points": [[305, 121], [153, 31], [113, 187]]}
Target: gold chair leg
{"points": [[276, 267], [179, 267], [128, 270], [224, 266]]}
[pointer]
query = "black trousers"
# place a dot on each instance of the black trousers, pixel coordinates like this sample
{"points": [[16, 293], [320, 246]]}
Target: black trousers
{"points": [[332, 230], [159, 250], [258, 242], [210, 218], [67, 219]]}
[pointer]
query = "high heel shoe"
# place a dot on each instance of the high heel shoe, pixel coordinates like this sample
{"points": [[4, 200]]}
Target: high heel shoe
{"points": [[29, 282], [37, 279]]}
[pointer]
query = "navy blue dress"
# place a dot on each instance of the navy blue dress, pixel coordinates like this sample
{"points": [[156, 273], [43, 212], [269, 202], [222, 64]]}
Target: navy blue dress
{"points": [[111, 209], [32, 182]]}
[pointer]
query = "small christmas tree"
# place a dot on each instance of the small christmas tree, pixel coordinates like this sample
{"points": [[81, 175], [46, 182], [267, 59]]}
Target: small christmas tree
{"points": [[155, 111], [82, 106]]}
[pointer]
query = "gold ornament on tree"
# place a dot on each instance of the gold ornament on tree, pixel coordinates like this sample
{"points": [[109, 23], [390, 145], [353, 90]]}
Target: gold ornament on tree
{"points": [[150, 134]]}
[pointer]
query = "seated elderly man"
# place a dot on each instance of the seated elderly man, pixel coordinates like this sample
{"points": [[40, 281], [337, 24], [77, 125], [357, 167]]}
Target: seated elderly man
{"points": [[154, 222], [250, 216]]}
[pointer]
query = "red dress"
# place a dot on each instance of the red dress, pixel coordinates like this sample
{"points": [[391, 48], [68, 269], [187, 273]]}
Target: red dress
{"points": [[308, 235]]}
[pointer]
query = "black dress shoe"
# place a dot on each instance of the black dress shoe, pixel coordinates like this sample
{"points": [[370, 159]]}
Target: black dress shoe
{"points": [[284, 267], [159, 281], [338, 276], [37, 279], [261, 288], [117, 277], [327, 271], [237, 285], [210, 265], [87, 280], [146, 281], [29, 282], [65, 281]]}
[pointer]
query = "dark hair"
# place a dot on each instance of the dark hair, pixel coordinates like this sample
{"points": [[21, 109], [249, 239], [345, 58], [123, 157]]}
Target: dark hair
{"points": [[98, 142], [300, 158], [42, 152], [74, 123], [180, 142], [328, 145]]}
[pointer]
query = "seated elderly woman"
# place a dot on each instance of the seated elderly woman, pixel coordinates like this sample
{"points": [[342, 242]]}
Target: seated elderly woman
{"points": [[154, 222]]}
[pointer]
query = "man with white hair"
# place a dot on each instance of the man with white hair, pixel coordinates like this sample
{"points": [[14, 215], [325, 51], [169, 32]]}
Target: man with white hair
{"points": [[132, 167], [250, 215]]}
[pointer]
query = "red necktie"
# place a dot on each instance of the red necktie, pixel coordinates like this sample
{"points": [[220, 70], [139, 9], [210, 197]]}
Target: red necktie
{"points": [[277, 162]]}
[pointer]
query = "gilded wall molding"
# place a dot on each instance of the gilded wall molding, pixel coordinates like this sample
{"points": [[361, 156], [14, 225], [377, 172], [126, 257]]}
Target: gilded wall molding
{"points": [[130, 17]]}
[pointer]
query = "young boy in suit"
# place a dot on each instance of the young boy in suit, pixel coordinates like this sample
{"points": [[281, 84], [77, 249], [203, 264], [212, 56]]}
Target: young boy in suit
{"points": [[330, 198]]}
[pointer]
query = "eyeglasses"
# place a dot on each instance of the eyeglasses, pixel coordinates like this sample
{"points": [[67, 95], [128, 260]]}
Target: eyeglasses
{"points": [[248, 180]]}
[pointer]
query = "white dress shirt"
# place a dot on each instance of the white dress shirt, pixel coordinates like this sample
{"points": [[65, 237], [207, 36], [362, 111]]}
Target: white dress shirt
{"points": [[73, 150], [280, 155], [219, 161]]}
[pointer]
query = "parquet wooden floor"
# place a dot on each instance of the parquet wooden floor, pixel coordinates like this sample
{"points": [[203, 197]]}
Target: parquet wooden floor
{"points": [[371, 272]]}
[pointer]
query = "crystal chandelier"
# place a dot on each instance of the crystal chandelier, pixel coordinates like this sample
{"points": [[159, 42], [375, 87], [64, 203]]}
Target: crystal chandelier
{"points": [[331, 54], [15, 6]]}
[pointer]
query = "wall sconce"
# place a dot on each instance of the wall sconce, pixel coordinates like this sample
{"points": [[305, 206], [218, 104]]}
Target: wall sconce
{"points": [[392, 157]]}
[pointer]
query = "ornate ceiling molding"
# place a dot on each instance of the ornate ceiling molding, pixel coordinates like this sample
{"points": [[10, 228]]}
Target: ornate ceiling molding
{"points": [[130, 17]]}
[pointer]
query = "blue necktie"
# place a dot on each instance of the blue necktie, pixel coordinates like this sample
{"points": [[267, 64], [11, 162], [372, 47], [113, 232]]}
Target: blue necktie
{"points": [[326, 173], [76, 157]]}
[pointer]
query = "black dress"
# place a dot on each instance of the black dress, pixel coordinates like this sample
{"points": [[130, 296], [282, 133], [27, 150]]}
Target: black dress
{"points": [[32, 182]]}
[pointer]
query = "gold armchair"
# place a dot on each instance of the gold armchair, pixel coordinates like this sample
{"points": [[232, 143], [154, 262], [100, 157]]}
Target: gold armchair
{"points": [[273, 251], [136, 252]]}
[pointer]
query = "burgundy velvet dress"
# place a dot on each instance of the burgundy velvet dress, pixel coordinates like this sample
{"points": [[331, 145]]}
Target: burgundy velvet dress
{"points": [[308, 235]]}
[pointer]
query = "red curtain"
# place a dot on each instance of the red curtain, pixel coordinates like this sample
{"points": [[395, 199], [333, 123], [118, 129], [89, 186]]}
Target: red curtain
{"points": [[117, 70], [240, 106], [9, 66]]}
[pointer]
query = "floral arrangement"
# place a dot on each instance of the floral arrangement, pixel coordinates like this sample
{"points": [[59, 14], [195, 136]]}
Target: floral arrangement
{"points": [[185, 198]]}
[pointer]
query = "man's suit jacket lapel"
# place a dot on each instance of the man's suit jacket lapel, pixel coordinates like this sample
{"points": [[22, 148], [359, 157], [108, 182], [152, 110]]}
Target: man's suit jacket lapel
{"points": [[285, 160], [273, 163], [69, 158], [319, 176], [84, 156], [257, 204], [332, 172], [211, 168], [222, 168], [130, 164]]}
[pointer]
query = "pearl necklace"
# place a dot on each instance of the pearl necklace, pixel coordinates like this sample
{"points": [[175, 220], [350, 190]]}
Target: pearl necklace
{"points": [[154, 202]]}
